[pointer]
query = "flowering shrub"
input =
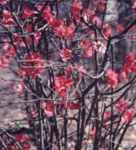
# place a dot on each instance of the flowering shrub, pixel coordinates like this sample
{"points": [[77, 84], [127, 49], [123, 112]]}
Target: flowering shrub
{"points": [[65, 58]]}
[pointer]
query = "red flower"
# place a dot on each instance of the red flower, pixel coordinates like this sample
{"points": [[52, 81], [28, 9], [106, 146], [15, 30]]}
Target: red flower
{"points": [[7, 56], [7, 17], [128, 116], [63, 31], [121, 105], [47, 14], [24, 142], [62, 91], [26, 146], [130, 58], [130, 63], [119, 28], [12, 51], [85, 43], [4, 61], [60, 30], [48, 108], [69, 33], [33, 64], [22, 138], [107, 31], [88, 47], [62, 84], [68, 82], [51, 19], [59, 80], [66, 54], [28, 28], [107, 115], [76, 9], [63, 81], [56, 23], [72, 105], [9, 50], [27, 12], [88, 52], [112, 78]]}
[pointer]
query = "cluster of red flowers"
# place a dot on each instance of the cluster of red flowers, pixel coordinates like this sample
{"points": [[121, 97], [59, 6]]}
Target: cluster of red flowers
{"points": [[49, 106], [88, 15], [58, 25], [66, 54], [33, 64], [129, 67], [62, 84], [19, 42], [24, 139], [112, 78], [128, 116], [130, 63], [122, 106]]}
